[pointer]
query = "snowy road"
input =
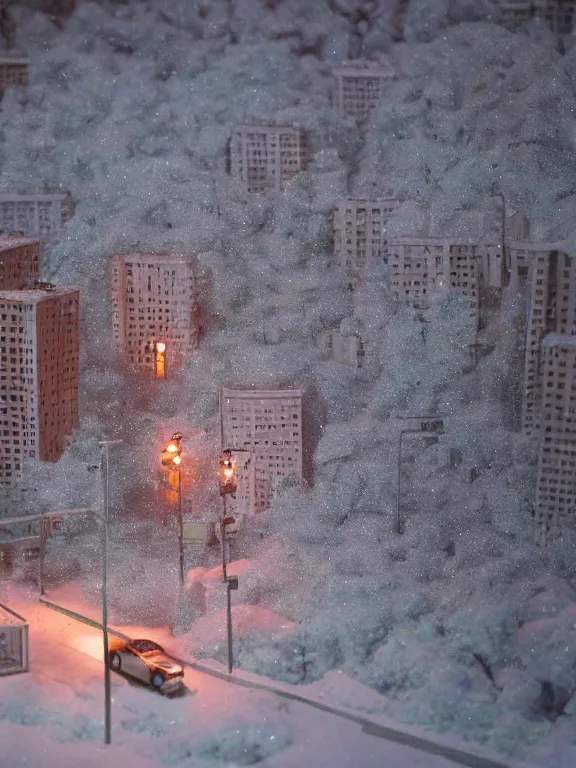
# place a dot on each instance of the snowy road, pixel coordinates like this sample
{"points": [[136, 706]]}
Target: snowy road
{"points": [[62, 699]]}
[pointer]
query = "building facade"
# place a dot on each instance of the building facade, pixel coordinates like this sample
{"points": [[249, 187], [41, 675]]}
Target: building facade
{"points": [[360, 234], [267, 424], [359, 87], [555, 506], [154, 302], [420, 267], [19, 262], [558, 14], [264, 157], [39, 348], [346, 350], [40, 216], [13, 73], [551, 309]]}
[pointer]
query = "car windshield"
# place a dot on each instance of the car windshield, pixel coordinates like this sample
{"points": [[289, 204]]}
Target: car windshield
{"points": [[146, 646]]}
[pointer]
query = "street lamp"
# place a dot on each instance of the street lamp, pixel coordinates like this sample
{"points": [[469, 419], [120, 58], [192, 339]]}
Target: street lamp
{"points": [[430, 426], [227, 485], [172, 458]]}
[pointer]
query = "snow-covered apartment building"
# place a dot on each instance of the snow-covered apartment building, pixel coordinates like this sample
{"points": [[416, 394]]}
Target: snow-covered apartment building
{"points": [[267, 424], [346, 350], [39, 347], [19, 262], [558, 14], [264, 157], [555, 505], [360, 86], [551, 309], [40, 216], [154, 302], [360, 234], [13, 73]]}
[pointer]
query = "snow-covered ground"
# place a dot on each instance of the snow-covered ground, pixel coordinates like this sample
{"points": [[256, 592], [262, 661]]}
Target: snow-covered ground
{"points": [[461, 625]]}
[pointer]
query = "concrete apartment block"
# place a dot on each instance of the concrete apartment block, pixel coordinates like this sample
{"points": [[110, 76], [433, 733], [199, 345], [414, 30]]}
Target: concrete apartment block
{"points": [[264, 157], [13, 73], [19, 262], [40, 216], [551, 309], [555, 505], [360, 234], [360, 86], [421, 266], [268, 424], [558, 14], [39, 347], [153, 300], [347, 350]]}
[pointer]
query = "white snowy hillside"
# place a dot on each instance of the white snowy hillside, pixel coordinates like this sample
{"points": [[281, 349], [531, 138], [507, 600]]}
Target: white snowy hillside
{"points": [[461, 624]]}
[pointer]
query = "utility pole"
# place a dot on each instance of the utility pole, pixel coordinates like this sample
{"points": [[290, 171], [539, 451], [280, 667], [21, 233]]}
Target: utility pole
{"points": [[227, 485], [105, 445]]}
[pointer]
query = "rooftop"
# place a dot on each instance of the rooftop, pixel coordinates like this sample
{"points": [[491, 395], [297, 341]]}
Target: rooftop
{"points": [[36, 295], [13, 241], [155, 258]]}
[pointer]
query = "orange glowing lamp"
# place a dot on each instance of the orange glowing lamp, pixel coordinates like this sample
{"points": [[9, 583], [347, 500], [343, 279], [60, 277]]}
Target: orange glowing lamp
{"points": [[227, 473], [160, 359]]}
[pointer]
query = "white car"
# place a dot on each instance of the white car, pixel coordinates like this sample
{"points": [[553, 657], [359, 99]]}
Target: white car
{"points": [[146, 661]]}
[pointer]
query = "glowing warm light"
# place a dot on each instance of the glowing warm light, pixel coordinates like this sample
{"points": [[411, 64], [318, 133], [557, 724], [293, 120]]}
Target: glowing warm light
{"points": [[172, 448], [160, 347], [228, 472], [177, 459]]}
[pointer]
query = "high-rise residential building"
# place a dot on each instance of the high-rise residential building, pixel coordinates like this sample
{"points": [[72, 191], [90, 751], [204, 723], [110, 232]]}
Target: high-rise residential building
{"points": [[13, 73], [268, 424], [41, 216], [264, 157], [555, 505], [154, 310], [39, 345], [551, 309], [360, 86], [19, 262], [558, 14], [360, 234], [419, 266]]}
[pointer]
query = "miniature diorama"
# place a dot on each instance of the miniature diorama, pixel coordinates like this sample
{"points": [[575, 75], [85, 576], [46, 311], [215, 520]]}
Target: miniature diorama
{"points": [[264, 157], [310, 429], [155, 319]]}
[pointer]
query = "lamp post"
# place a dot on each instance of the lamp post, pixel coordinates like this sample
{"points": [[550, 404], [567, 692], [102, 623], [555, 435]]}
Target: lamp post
{"points": [[104, 447], [172, 458], [497, 193], [430, 426], [227, 485]]}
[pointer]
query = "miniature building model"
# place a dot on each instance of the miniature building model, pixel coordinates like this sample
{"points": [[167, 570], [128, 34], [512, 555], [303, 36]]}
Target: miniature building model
{"points": [[41, 216], [420, 266], [558, 14], [154, 307], [39, 346], [347, 350], [265, 157], [359, 87], [360, 234], [556, 479], [13, 73], [19, 262], [268, 424], [13, 642], [552, 309]]}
